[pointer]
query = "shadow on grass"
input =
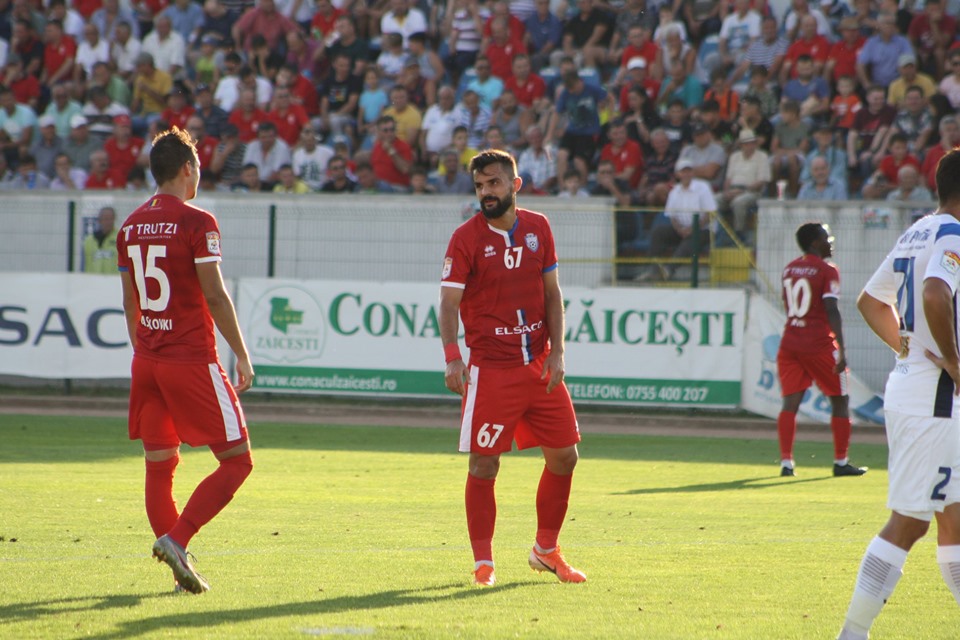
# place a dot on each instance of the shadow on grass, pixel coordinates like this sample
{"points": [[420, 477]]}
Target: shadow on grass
{"points": [[183, 621], [732, 485], [34, 610]]}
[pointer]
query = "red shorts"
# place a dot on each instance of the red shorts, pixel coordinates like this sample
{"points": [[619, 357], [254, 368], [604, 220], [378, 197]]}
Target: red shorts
{"points": [[799, 369], [173, 402], [503, 405]]}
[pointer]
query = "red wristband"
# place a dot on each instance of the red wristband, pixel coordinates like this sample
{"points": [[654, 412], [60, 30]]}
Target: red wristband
{"points": [[451, 352]]}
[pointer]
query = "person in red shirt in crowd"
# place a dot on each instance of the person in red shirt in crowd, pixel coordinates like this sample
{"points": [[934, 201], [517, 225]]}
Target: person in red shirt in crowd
{"points": [[123, 148], [246, 117], [637, 76], [501, 10], [179, 391], [500, 277], [949, 138], [931, 32], [391, 157], [842, 59], [302, 91], [290, 118], [321, 26], [640, 45], [502, 48], [812, 347], [86, 8], [809, 43], [206, 145], [885, 178], [102, 175], [178, 109], [25, 86], [263, 20], [529, 88], [624, 153], [59, 52]]}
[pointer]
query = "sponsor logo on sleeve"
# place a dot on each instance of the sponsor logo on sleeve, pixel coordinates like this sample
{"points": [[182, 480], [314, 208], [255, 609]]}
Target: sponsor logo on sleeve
{"points": [[950, 261], [447, 268], [213, 243]]}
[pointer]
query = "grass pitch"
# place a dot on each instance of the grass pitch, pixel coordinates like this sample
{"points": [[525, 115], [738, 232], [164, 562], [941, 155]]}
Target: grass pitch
{"points": [[360, 531]]}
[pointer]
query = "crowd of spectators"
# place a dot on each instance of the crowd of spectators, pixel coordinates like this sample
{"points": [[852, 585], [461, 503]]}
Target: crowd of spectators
{"points": [[830, 99]]}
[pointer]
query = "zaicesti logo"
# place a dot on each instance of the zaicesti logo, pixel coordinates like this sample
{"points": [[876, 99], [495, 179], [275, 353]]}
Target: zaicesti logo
{"points": [[287, 325], [282, 315]]}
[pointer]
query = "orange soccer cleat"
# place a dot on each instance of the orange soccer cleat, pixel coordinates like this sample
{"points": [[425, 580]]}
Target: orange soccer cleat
{"points": [[555, 564], [484, 576]]}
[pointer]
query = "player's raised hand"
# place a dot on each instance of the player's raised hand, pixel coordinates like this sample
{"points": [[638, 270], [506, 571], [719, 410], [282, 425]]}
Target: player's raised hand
{"points": [[553, 370], [244, 375], [457, 376], [952, 368]]}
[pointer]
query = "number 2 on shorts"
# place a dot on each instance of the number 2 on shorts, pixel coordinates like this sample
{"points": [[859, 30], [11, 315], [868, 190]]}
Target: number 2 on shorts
{"points": [[938, 493], [488, 434]]}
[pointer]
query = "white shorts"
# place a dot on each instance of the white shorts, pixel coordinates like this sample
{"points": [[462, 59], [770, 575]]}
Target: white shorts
{"points": [[924, 464]]}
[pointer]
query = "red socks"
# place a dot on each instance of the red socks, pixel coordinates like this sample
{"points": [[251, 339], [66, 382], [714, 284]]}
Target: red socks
{"points": [[786, 431], [841, 437], [553, 495], [481, 516], [158, 489], [211, 496]]}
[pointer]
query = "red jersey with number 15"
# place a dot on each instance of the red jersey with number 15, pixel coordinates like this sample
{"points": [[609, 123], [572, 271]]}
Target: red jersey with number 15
{"points": [[501, 274], [160, 245], [806, 282]]}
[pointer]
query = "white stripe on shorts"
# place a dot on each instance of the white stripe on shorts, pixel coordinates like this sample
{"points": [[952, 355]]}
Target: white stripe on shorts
{"points": [[466, 425], [231, 418]]}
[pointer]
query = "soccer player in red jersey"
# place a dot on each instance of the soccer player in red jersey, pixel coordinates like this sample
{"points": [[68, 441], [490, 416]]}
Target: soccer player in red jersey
{"points": [[173, 295], [500, 276], [811, 349]]}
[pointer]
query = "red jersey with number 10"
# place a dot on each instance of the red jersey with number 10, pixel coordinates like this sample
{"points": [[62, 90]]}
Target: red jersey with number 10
{"points": [[501, 274], [806, 282], [160, 245]]}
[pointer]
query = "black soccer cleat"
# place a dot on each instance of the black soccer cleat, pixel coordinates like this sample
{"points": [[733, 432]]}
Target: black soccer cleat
{"points": [[787, 472], [848, 470]]}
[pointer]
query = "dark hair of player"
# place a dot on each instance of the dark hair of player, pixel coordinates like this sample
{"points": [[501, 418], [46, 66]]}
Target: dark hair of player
{"points": [[807, 234], [948, 177], [171, 150], [494, 156]]}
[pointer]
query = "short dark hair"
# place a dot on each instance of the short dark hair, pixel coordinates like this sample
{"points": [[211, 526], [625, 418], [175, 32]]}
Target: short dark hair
{"points": [[494, 156], [808, 233], [898, 137], [948, 177], [171, 150]]}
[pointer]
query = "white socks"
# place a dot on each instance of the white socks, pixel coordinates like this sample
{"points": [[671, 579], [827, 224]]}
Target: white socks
{"points": [[949, 560], [880, 569]]}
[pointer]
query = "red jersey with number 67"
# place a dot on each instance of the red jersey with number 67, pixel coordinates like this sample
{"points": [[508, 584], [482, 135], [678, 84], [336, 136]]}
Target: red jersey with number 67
{"points": [[806, 282], [501, 274], [160, 245]]}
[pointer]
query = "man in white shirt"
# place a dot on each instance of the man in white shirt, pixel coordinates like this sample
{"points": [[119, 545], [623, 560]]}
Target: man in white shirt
{"points": [[310, 159], [439, 121], [403, 20], [92, 49], [688, 198], [125, 49], [166, 46], [268, 152], [748, 174], [740, 29]]}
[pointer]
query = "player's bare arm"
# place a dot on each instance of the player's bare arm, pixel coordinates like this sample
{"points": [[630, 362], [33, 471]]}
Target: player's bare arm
{"points": [[882, 319], [457, 376], [938, 308], [553, 368], [836, 325], [225, 317], [131, 306]]}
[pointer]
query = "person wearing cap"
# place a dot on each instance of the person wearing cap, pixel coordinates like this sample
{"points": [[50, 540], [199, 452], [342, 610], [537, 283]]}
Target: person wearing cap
{"points": [[842, 60], [47, 147], [706, 156], [689, 197], [932, 32], [909, 77], [79, 144], [878, 61], [18, 114], [637, 75], [748, 176]]}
